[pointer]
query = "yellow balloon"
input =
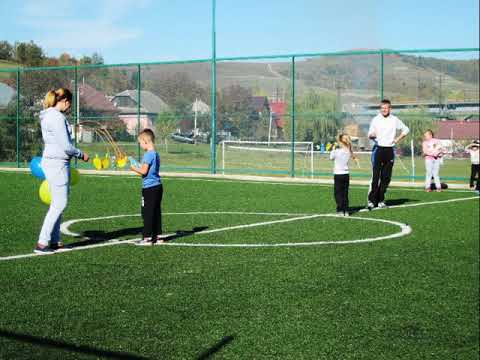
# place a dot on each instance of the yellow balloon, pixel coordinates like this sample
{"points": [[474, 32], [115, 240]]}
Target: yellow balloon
{"points": [[97, 162], [122, 162], [105, 163], [74, 176], [44, 193]]}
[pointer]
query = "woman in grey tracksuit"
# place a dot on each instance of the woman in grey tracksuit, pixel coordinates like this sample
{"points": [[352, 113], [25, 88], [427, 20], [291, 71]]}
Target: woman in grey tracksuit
{"points": [[58, 150]]}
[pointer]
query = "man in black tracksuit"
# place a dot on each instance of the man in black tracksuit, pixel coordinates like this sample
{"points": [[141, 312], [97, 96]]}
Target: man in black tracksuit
{"points": [[383, 130]]}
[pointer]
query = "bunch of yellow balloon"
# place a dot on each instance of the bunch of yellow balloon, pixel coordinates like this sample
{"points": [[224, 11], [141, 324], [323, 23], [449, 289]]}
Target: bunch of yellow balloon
{"points": [[101, 164], [120, 159]]}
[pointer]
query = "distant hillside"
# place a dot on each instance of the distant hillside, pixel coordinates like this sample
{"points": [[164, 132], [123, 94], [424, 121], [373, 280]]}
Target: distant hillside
{"points": [[355, 78]]}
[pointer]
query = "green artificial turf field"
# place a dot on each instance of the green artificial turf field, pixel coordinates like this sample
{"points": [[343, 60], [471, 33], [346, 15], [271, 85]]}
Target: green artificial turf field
{"points": [[405, 296]]}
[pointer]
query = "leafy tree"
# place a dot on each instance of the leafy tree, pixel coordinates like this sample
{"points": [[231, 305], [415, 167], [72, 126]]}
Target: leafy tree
{"points": [[316, 118], [29, 54], [165, 126], [6, 50]]}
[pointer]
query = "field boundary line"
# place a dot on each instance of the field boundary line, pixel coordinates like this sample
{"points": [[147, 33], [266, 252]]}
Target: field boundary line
{"points": [[243, 178]]}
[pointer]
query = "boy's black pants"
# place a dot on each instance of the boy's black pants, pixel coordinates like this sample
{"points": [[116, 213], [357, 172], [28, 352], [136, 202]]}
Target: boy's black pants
{"points": [[475, 174], [381, 174], [152, 212], [341, 183]]}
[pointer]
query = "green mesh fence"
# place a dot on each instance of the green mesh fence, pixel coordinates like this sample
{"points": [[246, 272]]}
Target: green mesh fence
{"points": [[274, 115]]}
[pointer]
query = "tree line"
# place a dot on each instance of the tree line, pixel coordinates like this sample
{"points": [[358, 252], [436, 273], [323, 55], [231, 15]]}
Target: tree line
{"points": [[30, 54]]}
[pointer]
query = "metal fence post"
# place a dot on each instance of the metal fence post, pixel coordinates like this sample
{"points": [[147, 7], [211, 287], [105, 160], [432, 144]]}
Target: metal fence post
{"points": [[381, 74], [18, 120], [213, 130], [76, 107], [139, 87], [292, 160]]}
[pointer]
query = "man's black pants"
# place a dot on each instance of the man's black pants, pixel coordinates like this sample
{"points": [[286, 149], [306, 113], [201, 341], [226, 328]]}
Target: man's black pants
{"points": [[383, 159], [475, 174], [152, 212]]}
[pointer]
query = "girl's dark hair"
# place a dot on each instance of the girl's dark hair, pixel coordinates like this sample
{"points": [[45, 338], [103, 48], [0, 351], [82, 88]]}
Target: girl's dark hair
{"points": [[430, 131]]}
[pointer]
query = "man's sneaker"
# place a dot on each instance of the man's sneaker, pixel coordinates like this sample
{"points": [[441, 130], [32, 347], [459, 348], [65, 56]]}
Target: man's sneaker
{"points": [[370, 205], [57, 246], [382, 205], [144, 242], [346, 214], [43, 250], [339, 213]]}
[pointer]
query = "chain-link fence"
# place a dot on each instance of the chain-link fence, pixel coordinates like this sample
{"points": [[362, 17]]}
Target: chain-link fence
{"points": [[276, 115]]}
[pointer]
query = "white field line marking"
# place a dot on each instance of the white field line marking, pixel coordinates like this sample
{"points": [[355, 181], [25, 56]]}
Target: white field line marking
{"points": [[321, 182], [424, 203], [404, 229], [64, 227], [329, 184]]}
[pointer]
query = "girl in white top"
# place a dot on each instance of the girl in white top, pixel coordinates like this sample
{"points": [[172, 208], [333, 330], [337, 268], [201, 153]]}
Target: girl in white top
{"points": [[341, 178], [57, 152], [432, 150]]}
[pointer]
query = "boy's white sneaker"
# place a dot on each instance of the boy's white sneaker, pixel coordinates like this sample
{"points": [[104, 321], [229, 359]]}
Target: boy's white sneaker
{"points": [[382, 205]]}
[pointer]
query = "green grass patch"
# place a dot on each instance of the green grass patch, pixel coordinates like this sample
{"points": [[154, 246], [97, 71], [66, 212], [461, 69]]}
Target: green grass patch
{"points": [[407, 298]]}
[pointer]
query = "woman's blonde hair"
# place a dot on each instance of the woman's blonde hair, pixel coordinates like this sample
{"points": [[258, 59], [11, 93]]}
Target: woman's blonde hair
{"points": [[347, 142], [54, 96]]}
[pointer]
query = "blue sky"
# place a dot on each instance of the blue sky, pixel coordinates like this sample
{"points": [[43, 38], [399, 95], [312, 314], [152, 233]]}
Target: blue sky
{"points": [[155, 30]]}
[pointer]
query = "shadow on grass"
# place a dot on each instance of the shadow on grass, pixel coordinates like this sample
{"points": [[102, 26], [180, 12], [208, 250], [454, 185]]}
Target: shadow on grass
{"points": [[92, 237], [207, 354], [182, 233], [60, 345], [393, 202]]}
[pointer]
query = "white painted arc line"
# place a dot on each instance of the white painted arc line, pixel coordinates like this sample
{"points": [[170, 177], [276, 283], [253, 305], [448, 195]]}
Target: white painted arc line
{"points": [[405, 230], [64, 227], [66, 231]]}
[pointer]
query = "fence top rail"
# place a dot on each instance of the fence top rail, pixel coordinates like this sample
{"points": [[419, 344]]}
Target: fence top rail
{"points": [[242, 58]]}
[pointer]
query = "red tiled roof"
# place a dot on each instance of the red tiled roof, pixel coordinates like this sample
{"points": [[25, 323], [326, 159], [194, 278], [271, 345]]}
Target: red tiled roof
{"points": [[93, 99], [278, 108], [458, 130]]}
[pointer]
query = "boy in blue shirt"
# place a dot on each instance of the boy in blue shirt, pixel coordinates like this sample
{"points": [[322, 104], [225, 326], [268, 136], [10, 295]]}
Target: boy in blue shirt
{"points": [[152, 191]]}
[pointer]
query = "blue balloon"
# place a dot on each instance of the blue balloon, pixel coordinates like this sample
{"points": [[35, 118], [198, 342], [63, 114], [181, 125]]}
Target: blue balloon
{"points": [[36, 168]]}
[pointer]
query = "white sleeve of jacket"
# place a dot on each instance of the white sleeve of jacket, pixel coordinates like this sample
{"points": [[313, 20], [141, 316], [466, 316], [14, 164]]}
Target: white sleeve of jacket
{"points": [[63, 138]]}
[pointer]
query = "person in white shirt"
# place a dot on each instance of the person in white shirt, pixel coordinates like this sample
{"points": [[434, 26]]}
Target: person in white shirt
{"points": [[341, 177], [473, 150], [383, 130]]}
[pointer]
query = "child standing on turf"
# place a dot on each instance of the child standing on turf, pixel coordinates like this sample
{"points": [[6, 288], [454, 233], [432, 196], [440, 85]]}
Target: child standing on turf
{"points": [[432, 150], [152, 191], [473, 150], [341, 177]]}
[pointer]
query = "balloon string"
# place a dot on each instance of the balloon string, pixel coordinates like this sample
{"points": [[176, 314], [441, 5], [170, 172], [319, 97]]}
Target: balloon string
{"points": [[105, 135]]}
